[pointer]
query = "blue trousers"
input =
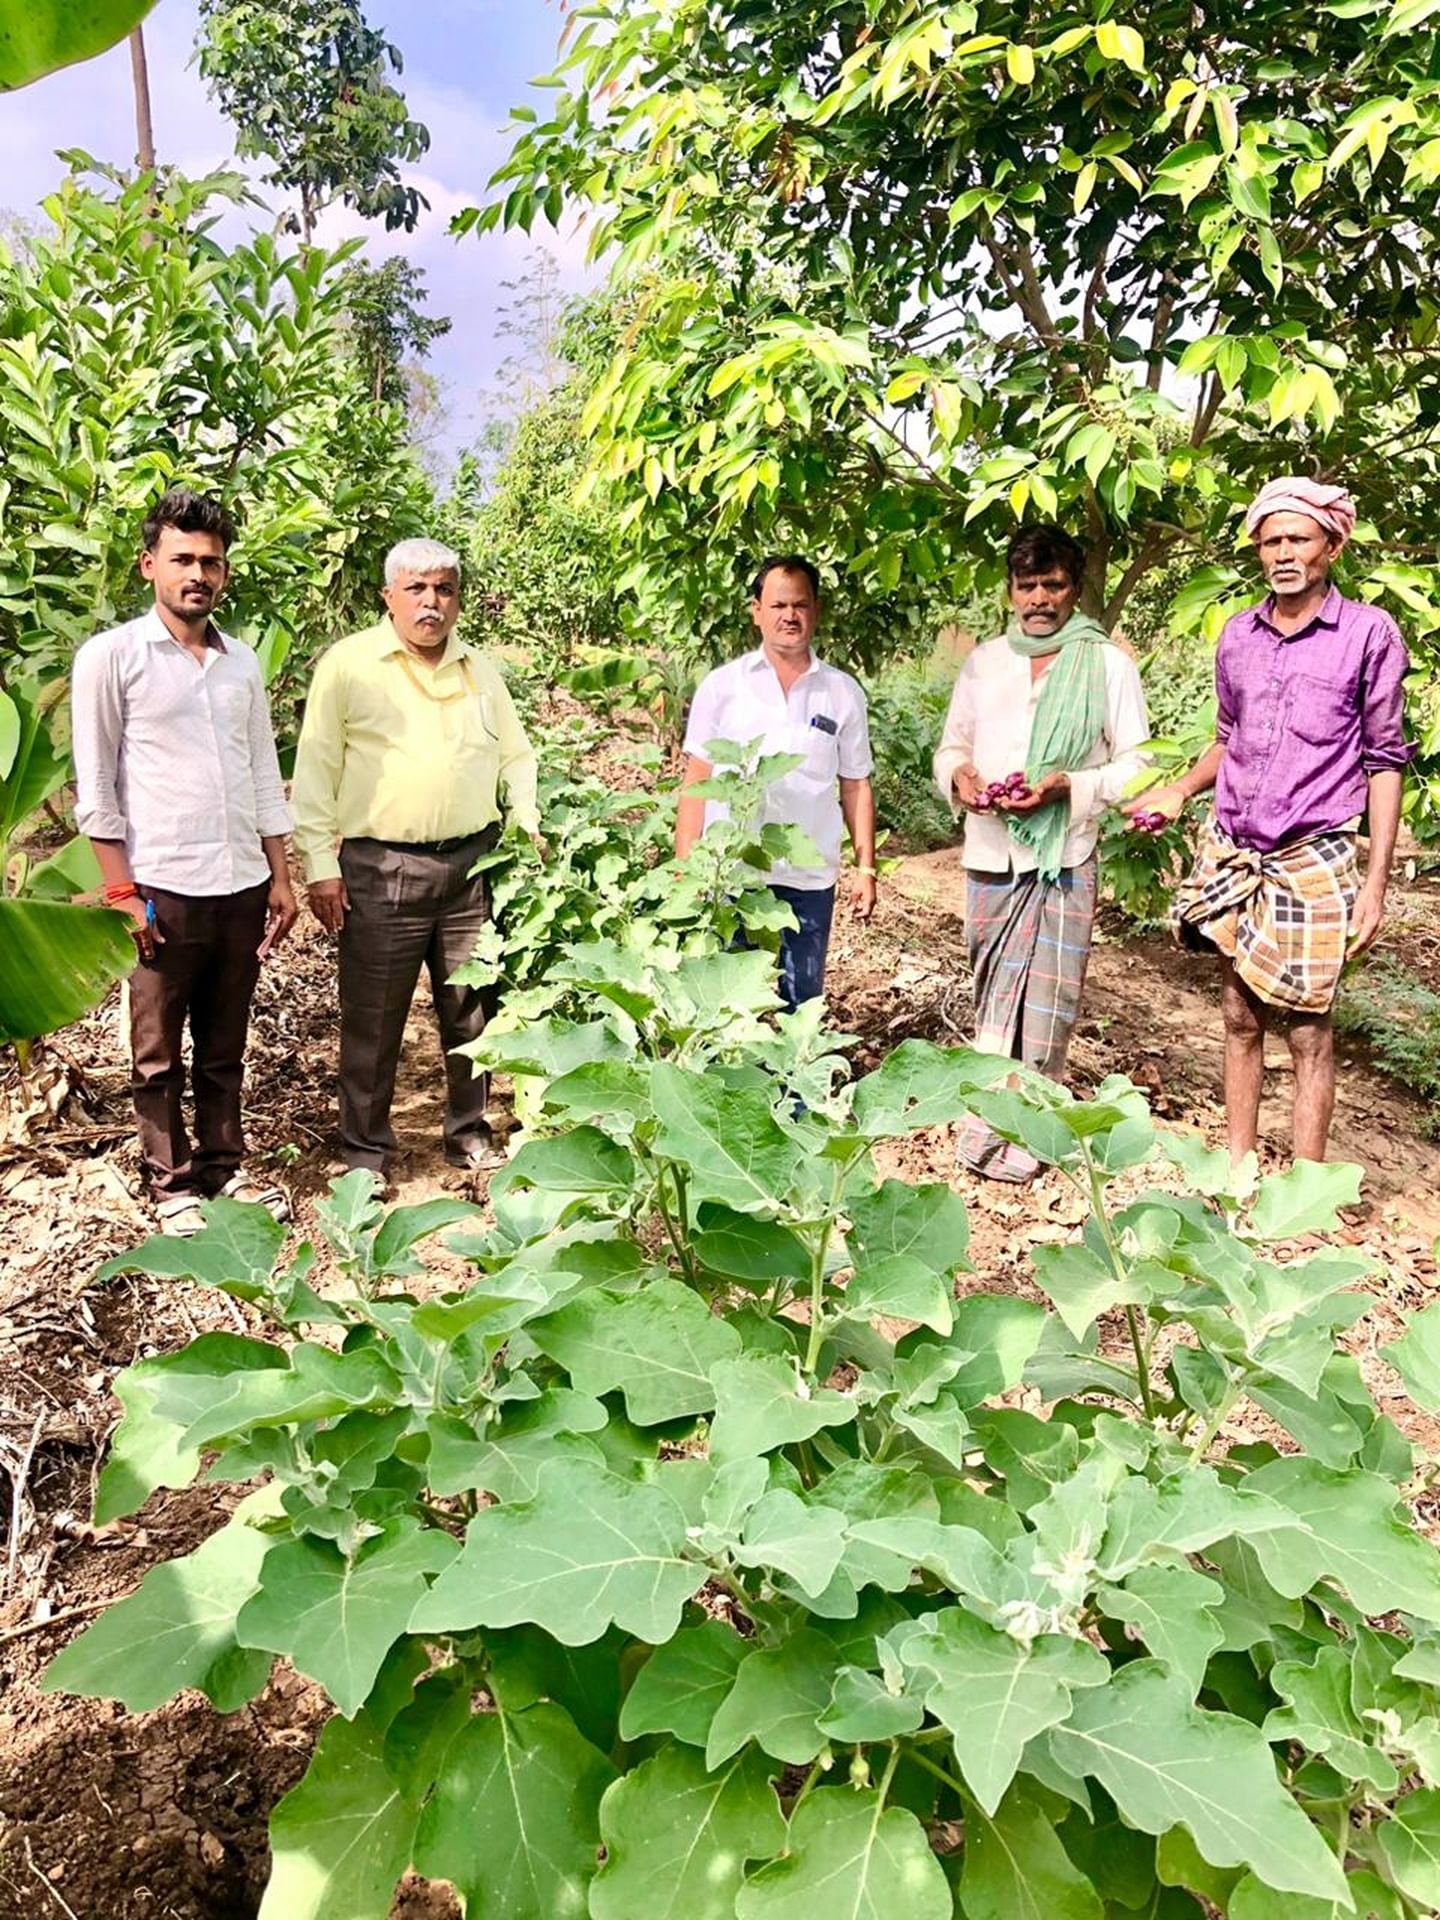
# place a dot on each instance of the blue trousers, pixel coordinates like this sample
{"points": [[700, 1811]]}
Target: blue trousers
{"points": [[803, 949]]}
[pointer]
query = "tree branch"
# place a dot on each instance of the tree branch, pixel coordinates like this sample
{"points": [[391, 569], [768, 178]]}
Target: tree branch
{"points": [[1153, 548], [1206, 408], [1159, 334]]}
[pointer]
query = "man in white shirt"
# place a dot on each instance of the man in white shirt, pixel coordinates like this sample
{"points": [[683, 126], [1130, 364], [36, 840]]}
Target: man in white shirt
{"points": [[1054, 700], [178, 787], [786, 700]]}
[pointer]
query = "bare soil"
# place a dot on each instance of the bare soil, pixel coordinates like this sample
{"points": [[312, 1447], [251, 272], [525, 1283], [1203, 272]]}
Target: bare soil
{"points": [[108, 1817]]}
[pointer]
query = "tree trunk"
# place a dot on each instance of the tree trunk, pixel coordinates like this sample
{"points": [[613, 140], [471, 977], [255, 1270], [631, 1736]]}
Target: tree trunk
{"points": [[144, 123]]}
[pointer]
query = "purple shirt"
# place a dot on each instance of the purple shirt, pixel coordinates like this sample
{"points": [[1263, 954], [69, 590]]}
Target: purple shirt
{"points": [[1305, 718]]}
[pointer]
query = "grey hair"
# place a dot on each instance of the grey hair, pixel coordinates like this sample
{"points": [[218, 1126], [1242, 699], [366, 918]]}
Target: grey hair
{"points": [[420, 556]]}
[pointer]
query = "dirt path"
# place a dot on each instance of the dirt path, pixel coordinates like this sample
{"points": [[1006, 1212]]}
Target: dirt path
{"points": [[110, 1818]]}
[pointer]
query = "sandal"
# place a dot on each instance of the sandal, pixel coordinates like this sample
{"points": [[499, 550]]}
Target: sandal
{"points": [[254, 1193], [180, 1215]]}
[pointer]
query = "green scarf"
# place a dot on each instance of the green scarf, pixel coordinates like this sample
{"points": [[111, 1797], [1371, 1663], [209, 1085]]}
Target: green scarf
{"points": [[1069, 719]]}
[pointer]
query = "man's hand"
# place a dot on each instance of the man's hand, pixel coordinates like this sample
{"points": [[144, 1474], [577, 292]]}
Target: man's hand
{"points": [[281, 913], [862, 896], [1050, 786], [1169, 800], [1366, 919], [965, 785], [329, 902], [540, 844], [141, 916]]}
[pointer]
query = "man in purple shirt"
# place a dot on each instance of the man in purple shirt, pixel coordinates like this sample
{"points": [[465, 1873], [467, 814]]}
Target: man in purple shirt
{"points": [[1309, 737]]}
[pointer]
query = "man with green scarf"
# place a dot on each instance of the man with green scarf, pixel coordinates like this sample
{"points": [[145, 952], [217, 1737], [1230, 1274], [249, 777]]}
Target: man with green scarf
{"points": [[1055, 701]]}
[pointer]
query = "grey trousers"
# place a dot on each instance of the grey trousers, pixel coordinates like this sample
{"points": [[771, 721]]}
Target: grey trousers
{"points": [[409, 907]]}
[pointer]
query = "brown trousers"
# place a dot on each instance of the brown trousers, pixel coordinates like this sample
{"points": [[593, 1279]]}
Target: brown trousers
{"points": [[410, 906], [204, 970]]}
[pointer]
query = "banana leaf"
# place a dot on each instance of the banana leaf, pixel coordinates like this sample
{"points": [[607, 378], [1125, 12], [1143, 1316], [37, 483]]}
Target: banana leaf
{"points": [[37, 36], [56, 963]]}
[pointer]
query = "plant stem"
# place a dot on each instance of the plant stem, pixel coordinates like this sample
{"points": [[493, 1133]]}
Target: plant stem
{"points": [[1119, 1266], [817, 1277], [889, 1774], [806, 1784], [1213, 1425], [929, 1765]]}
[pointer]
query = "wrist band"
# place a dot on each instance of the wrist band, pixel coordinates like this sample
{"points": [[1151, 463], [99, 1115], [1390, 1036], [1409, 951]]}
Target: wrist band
{"points": [[128, 891], [869, 872]]}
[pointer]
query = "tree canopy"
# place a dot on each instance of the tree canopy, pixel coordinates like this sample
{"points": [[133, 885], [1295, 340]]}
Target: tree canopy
{"points": [[307, 86], [908, 273]]}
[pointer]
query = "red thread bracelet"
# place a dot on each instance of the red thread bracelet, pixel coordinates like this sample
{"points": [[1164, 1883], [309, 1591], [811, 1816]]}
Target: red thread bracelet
{"points": [[114, 895]]}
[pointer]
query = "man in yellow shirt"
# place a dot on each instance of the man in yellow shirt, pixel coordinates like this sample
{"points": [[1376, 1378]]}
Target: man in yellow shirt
{"points": [[410, 753]]}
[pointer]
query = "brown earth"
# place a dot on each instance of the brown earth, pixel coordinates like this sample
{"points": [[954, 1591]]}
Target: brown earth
{"points": [[108, 1817]]}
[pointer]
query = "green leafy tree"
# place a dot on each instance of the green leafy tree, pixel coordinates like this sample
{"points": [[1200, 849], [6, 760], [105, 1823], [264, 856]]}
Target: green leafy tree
{"points": [[307, 85], [909, 272], [390, 330]]}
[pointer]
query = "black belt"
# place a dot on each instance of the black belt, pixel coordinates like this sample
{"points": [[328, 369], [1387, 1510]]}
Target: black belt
{"points": [[489, 834]]}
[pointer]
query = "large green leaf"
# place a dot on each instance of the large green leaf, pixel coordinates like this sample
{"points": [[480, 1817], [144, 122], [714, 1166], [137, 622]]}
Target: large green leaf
{"points": [[849, 1857], [778, 1696], [729, 1141], [1304, 1199], [589, 1550], [761, 1402], [789, 1535], [1174, 1610], [149, 1449], [680, 1687], [37, 36], [36, 769], [9, 713], [514, 1819], [995, 1693], [176, 1630], [337, 1615], [929, 1222], [1320, 1713], [920, 1085], [1350, 1527], [1016, 1868], [656, 1346], [900, 1287], [1166, 1763], [316, 1385], [340, 1840], [56, 963], [677, 1837], [1415, 1356], [744, 1247], [236, 1251], [1410, 1846]]}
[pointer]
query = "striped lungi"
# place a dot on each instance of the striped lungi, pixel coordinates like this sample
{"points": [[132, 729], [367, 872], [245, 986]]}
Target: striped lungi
{"points": [[1029, 948], [1282, 917]]}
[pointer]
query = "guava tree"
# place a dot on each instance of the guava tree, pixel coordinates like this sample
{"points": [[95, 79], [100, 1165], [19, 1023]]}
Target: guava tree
{"points": [[910, 272]]}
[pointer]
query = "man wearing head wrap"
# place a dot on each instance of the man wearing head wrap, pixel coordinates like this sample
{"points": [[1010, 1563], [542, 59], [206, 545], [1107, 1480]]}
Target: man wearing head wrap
{"points": [[1309, 736]]}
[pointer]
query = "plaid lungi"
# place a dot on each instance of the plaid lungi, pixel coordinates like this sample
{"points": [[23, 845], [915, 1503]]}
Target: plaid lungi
{"points": [[1029, 948], [1281, 917]]}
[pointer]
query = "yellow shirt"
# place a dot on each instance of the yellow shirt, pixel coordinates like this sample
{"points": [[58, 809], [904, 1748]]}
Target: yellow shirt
{"points": [[394, 750]]}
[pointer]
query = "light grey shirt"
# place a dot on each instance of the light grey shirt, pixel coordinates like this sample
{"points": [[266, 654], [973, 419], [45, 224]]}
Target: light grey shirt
{"points": [[175, 756]]}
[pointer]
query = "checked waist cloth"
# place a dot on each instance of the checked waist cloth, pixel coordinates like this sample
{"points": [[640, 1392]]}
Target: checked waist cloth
{"points": [[1282, 917]]}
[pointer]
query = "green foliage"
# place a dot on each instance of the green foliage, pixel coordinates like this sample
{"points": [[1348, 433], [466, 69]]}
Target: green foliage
{"points": [[907, 706], [388, 327], [671, 1484], [1398, 1015], [56, 963], [964, 264], [37, 36], [137, 353], [306, 84]]}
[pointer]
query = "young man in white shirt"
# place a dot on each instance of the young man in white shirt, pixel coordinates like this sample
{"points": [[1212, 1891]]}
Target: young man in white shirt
{"points": [[783, 697], [1052, 699], [178, 787]]}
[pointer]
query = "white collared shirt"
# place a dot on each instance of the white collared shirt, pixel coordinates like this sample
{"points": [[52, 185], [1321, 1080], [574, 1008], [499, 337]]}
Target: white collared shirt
{"points": [[992, 714], [175, 757], [822, 717]]}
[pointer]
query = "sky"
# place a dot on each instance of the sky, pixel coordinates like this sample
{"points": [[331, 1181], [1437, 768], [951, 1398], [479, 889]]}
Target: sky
{"points": [[466, 63]]}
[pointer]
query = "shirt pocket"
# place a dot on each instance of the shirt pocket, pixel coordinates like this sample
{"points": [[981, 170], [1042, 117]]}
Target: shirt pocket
{"points": [[1322, 712], [820, 749]]}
